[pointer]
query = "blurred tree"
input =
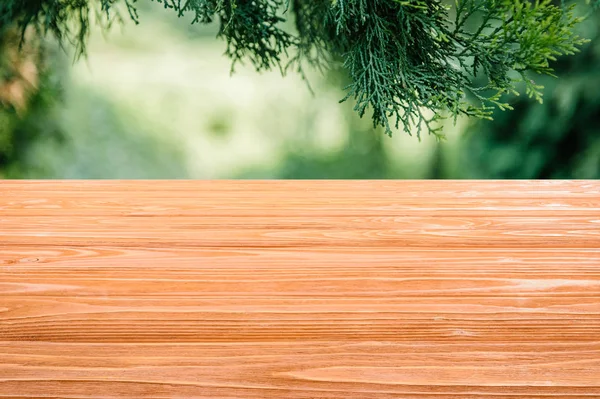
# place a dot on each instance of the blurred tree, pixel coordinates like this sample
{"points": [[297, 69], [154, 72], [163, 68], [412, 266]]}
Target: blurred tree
{"points": [[19, 70], [411, 62], [559, 138], [28, 89]]}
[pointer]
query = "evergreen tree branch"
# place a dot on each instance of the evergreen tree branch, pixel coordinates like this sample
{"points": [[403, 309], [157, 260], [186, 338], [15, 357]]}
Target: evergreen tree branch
{"points": [[411, 62]]}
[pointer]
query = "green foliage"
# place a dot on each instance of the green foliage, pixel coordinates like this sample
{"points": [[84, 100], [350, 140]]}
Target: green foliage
{"points": [[20, 128], [68, 20], [412, 62], [557, 139], [594, 3]]}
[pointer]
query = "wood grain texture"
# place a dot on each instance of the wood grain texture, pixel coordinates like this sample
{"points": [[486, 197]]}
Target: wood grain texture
{"points": [[300, 290]]}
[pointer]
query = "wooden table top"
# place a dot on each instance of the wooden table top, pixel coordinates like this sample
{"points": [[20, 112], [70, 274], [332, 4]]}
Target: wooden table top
{"points": [[303, 290]]}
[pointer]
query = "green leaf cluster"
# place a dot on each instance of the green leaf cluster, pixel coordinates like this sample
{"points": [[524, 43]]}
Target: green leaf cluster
{"points": [[556, 139], [411, 62]]}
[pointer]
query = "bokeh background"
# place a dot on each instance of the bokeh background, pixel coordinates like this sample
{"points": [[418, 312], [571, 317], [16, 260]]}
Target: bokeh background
{"points": [[157, 101]]}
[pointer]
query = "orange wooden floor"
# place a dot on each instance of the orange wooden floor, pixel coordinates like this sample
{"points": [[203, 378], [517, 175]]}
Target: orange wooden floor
{"points": [[287, 289]]}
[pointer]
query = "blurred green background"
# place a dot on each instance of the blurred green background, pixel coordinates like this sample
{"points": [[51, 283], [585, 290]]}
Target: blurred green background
{"points": [[157, 101]]}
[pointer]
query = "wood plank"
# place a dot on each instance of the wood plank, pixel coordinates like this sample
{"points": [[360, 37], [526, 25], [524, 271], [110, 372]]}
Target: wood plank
{"points": [[300, 289]]}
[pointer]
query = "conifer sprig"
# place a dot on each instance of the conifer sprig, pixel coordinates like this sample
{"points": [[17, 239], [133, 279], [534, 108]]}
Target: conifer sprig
{"points": [[411, 62]]}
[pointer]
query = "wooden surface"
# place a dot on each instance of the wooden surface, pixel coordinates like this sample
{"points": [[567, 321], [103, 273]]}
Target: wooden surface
{"points": [[320, 290]]}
